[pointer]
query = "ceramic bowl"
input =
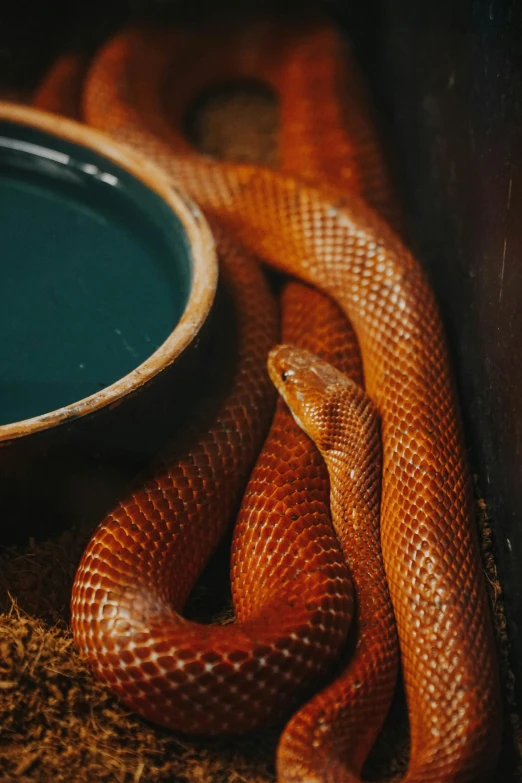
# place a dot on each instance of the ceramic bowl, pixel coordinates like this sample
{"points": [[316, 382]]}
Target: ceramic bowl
{"points": [[108, 275]]}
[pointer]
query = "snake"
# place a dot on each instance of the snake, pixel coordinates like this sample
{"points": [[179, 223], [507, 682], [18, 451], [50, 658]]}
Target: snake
{"points": [[401, 495]]}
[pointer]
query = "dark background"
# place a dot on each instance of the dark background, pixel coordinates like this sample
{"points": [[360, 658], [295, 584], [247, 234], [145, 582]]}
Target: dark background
{"points": [[446, 77]]}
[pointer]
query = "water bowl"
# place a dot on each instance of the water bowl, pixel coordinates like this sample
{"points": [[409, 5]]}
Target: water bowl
{"points": [[107, 276]]}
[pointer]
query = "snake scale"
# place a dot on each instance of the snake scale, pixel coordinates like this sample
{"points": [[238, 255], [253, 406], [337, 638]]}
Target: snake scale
{"points": [[291, 576]]}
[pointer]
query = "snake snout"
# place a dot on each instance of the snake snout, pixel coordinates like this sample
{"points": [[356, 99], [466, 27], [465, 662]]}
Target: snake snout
{"points": [[302, 369]]}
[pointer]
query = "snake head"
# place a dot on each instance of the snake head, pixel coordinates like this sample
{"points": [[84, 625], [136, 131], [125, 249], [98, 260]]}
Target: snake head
{"points": [[326, 404]]}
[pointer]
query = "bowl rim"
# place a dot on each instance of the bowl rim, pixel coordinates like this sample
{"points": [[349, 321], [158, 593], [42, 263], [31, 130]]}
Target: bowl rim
{"points": [[203, 258]]}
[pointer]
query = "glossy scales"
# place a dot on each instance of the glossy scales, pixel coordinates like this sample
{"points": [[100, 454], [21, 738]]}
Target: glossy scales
{"points": [[335, 242]]}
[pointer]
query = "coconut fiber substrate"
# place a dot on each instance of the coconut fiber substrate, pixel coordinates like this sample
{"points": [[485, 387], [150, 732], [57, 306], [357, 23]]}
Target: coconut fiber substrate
{"points": [[57, 723]]}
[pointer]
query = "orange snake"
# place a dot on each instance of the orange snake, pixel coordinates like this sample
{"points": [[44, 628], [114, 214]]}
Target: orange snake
{"points": [[291, 586]]}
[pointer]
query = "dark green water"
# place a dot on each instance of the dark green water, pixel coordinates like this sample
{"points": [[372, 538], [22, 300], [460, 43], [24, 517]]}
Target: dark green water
{"points": [[93, 278]]}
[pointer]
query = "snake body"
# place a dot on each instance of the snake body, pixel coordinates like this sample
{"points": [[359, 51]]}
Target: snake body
{"points": [[143, 559]]}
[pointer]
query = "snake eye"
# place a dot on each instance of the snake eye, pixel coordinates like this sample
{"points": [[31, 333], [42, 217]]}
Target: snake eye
{"points": [[284, 375]]}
